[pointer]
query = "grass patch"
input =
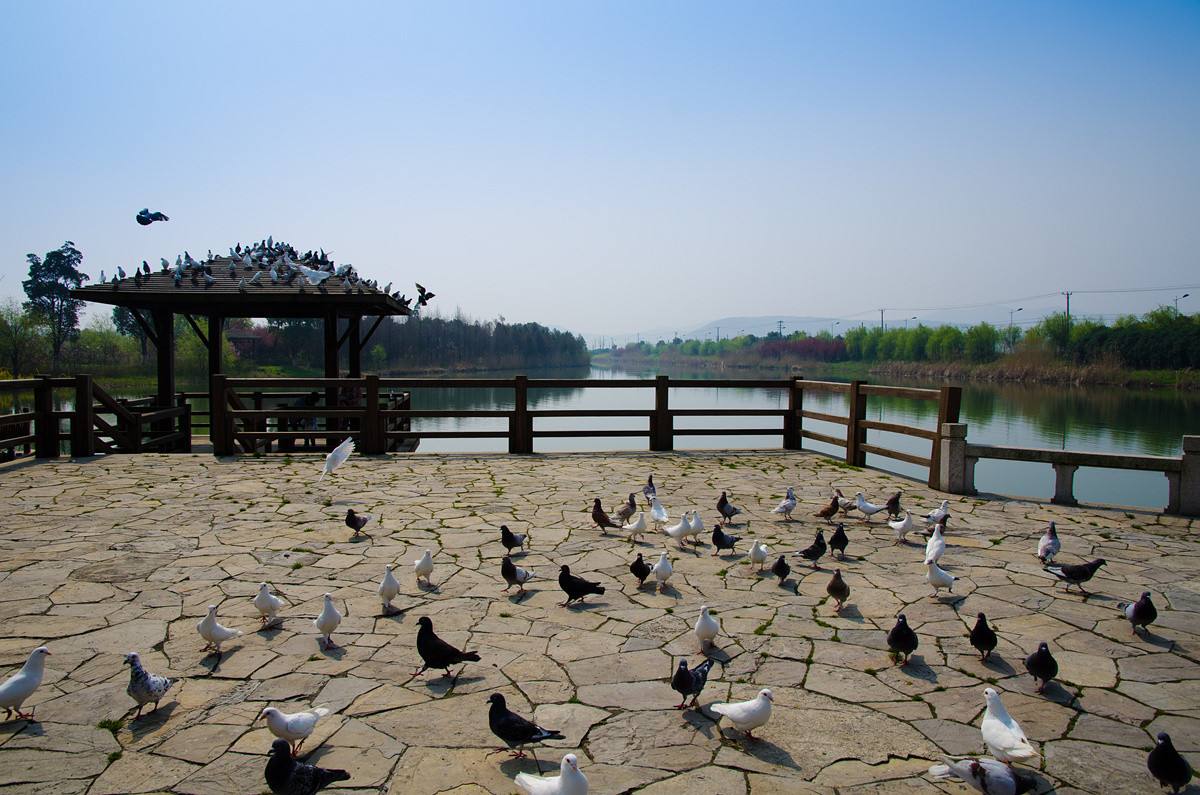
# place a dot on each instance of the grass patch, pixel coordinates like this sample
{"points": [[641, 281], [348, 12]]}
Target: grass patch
{"points": [[114, 756], [670, 610], [939, 688], [313, 658], [113, 725], [302, 549], [761, 629], [297, 565], [722, 573], [871, 671], [506, 615], [327, 501], [574, 700]]}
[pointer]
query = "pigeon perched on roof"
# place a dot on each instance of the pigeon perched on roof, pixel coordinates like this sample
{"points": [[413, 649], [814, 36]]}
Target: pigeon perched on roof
{"points": [[512, 540], [569, 781], [145, 217], [423, 567], [759, 552], [602, 519], [1141, 613], [337, 457], [213, 632], [1167, 765], [986, 775], [356, 521], [576, 588], [838, 590], [1076, 574], [662, 570], [21, 685], [327, 621], [839, 541], [295, 727], [707, 628], [1042, 666], [514, 575], [721, 540], [781, 569], [1049, 545], [939, 578], [286, 776], [515, 731], [267, 604], [814, 551], [389, 589], [746, 716], [690, 682], [437, 653], [901, 639], [314, 277], [787, 505], [726, 509], [640, 569], [1002, 734], [983, 637], [902, 527]]}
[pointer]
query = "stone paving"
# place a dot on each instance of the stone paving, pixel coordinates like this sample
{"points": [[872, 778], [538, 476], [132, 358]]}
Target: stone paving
{"points": [[120, 554]]}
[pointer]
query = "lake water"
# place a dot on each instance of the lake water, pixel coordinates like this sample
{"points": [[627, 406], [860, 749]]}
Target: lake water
{"points": [[1101, 419]]}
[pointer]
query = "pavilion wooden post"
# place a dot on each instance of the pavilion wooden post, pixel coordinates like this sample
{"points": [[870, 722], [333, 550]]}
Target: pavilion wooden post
{"points": [[331, 371], [520, 425], [373, 440], [215, 323], [164, 350], [83, 438], [791, 422], [45, 424], [354, 355], [222, 439]]}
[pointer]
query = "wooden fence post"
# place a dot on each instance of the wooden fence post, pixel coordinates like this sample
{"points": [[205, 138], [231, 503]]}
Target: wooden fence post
{"points": [[662, 427], [856, 435], [219, 430], [185, 428], [83, 435], [45, 425], [520, 425], [949, 403], [792, 422], [373, 440]]}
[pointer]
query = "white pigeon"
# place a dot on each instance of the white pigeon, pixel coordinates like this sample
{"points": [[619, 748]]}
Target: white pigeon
{"points": [[938, 513], [212, 631], [749, 715], [1001, 734], [662, 570], [315, 278], [295, 727], [707, 628], [697, 526], [637, 527], [868, 509], [327, 622], [902, 527], [423, 566], [680, 529], [787, 505], [658, 514], [267, 604], [1049, 546], [759, 552], [939, 578], [337, 457], [20, 686], [935, 547], [984, 775], [569, 781], [389, 588]]}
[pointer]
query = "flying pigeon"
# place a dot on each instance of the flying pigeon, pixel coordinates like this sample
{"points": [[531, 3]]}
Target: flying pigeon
{"points": [[20, 686], [327, 622], [640, 569], [939, 578], [892, 506], [868, 509], [337, 457], [1167, 765], [726, 509], [355, 521], [602, 519], [512, 540], [690, 683], [315, 278], [569, 781], [145, 217], [781, 569], [637, 527], [213, 632], [1042, 666], [1049, 545], [839, 541], [1141, 613], [437, 653], [829, 510], [658, 514], [649, 490], [1002, 734], [747, 716], [759, 552], [814, 551], [935, 547], [838, 589], [514, 575], [787, 505], [901, 639], [423, 567], [938, 514], [389, 589], [576, 588], [423, 296], [267, 604], [986, 775], [515, 731], [902, 527], [295, 727], [707, 628], [662, 570], [628, 509], [983, 637], [145, 687], [722, 541], [286, 776], [1076, 574]]}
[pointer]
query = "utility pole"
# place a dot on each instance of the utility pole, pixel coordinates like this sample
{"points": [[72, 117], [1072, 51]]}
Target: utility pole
{"points": [[1067, 293], [881, 320], [1185, 295], [779, 323], [719, 331]]}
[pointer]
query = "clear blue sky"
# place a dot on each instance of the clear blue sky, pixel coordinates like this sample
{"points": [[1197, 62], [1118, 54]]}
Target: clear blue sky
{"points": [[610, 167]]}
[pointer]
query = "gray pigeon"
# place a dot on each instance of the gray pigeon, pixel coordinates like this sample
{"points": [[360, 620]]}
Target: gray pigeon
{"points": [[286, 776], [145, 687]]}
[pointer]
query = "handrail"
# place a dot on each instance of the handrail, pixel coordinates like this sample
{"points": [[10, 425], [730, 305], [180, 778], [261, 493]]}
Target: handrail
{"points": [[1145, 463]]}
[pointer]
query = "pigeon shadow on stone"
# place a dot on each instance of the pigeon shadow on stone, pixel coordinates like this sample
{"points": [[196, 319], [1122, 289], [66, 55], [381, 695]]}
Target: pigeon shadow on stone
{"points": [[360, 537], [441, 685], [703, 722], [670, 590], [917, 668], [586, 605], [732, 556], [332, 652], [149, 722], [950, 599], [271, 630], [850, 612], [718, 655], [996, 663], [513, 765], [1147, 636], [212, 661], [428, 587], [519, 597]]}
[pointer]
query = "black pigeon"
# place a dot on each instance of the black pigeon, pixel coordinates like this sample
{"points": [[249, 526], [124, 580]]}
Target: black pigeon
{"points": [[602, 519], [511, 540], [1141, 613], [816, 550], [726, 508], [722, 540], [1042, 666], [403, 300], [983, 637], [356, 522], [892, 506], [649, 491], [423, 296], [781, 569], [286, 776], [690, 683], [515, 731], [640, 569], [838, 589], [839, 541], [901, 639], [145, 218], [514, 576], [1167, 765], [1076, 574], [145, 267], [576, 588], [437, 653]]}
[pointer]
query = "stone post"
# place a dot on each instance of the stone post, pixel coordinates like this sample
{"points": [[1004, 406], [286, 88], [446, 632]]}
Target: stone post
{"points": [[1189, 477], [954, 474], [1064, 484]]}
